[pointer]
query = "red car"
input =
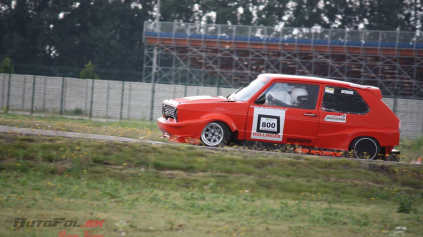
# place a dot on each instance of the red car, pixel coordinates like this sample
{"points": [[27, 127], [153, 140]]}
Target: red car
{"points": [[318, 115]]}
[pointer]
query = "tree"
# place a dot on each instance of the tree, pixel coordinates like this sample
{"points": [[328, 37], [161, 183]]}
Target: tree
{"points": [[88, 72], [6, 66], [68, 32], [72, 32], [107, 32]]}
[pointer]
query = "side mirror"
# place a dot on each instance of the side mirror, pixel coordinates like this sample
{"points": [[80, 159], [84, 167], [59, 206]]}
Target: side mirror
{"points": [[261, 99]]}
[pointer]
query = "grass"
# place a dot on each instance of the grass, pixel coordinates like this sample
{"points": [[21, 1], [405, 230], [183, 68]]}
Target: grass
{"points": [[163, 190], [411, 149], [125, 128]]}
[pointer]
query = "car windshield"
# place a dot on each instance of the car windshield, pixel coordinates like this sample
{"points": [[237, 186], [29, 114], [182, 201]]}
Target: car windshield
{"points": [[245, 93]]}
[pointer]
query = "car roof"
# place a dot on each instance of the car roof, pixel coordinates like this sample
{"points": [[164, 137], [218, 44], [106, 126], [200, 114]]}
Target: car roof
{"points": [[314, 79]]}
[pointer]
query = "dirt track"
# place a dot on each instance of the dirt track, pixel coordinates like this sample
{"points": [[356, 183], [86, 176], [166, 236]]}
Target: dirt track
{"points": [[52, 133]]}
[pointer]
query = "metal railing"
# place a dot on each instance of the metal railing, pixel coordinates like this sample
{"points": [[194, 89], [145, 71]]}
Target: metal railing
{"points": [[232, 55], [277, 34]]}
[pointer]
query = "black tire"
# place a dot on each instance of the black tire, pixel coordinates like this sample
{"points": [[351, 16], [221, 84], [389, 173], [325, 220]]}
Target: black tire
{"points": [[215, 134], [365, 148]]}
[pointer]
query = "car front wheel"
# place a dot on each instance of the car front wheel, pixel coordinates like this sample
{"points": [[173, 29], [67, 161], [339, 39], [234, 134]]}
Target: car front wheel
{"points": [[365, 148], [215, 134]]}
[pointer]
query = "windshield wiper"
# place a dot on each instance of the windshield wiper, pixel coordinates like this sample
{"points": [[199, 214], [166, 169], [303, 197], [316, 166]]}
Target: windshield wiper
{"points": [[242, 87]]}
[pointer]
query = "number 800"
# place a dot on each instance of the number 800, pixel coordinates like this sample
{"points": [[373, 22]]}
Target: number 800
{"points": [[268, 125]]}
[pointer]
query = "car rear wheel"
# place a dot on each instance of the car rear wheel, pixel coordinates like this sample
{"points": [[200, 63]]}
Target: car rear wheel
{"points": [[365, 148], [215, 134]]}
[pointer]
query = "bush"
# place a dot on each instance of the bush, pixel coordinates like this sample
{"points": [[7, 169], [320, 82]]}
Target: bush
{"points": [[406, 202], [78, 111], [88, 72], [6, 66]]}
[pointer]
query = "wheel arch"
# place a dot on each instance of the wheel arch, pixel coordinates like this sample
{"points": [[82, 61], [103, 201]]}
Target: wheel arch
{"points": [[215, 117], [363, 136]]}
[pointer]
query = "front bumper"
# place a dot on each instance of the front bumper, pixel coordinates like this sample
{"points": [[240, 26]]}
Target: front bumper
{"points": [[186, 132]]}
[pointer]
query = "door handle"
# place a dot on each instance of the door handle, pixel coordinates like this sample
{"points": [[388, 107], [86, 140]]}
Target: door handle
{"points": [[311, 115]]}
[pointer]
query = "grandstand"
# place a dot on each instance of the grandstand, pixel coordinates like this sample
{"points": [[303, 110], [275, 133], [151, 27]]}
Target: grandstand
{"points": [[228, 56]]}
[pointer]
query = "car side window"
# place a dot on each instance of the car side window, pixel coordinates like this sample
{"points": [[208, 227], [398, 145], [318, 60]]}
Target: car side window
{"points": [[292, 95], [343, 100]]}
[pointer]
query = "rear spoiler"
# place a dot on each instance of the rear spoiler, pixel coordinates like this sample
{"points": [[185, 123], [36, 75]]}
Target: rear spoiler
{"points": [[375, 91]]}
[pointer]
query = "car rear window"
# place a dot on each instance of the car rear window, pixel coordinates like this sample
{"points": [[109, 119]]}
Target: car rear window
{"points": [[343, 100]]}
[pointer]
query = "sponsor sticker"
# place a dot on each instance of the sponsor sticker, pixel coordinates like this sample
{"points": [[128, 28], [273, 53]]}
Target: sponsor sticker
{"points": [[327, 153], [298, 140], [336, 118], [268, 124], [347, 92], [329, 90]]}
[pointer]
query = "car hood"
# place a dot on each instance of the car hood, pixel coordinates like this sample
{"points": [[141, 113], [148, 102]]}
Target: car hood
{"points": [[198, 99]]}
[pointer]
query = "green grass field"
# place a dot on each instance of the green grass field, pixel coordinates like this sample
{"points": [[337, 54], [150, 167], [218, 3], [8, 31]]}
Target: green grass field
{"points": [[165, 190], [125, 128], [411, 149]]}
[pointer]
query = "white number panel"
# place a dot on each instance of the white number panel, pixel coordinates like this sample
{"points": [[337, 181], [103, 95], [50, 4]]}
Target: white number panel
{"points": [[268, 124]]}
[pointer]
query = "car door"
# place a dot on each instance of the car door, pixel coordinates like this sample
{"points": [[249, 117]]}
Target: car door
{"points": [[278, 118], [342, 112]]}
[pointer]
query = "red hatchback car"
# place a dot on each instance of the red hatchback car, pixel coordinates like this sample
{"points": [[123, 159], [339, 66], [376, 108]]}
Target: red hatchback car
{"points": [[283, 109]]}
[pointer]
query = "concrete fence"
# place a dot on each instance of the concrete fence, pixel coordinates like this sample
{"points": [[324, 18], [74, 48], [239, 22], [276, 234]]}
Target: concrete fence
{"points": [[134, 100], [94, 98]]}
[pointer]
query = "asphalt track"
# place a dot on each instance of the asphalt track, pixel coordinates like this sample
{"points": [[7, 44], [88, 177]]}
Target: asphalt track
{"points": [[53, 133]]}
